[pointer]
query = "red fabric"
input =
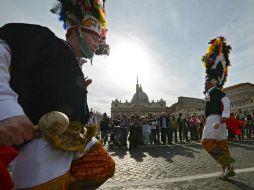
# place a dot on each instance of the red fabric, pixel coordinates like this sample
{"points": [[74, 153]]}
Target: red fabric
{"points": [[234, 125], [7, 154]]}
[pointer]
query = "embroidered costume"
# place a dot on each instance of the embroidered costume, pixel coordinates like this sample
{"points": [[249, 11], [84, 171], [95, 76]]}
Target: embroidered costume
{"points": [[214, 139]]}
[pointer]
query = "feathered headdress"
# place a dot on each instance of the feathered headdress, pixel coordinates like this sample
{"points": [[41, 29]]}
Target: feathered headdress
{"points": [[88, 14], [73, 12], [216, 61]]}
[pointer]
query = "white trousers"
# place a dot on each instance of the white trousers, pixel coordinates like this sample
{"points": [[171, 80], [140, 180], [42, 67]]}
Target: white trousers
{"points": [[210, 133]]}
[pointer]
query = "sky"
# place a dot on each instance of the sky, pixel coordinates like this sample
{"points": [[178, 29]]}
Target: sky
{"points": [[159, 41]]}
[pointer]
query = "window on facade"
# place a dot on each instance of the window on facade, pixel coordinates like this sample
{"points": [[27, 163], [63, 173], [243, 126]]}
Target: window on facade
{"points": [[116, 105]]}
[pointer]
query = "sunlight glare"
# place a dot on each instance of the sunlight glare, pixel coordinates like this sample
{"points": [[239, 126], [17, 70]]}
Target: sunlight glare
{"points": [[127, 61]]}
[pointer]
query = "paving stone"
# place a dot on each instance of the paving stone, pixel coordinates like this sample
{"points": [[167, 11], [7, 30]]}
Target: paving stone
{"points": [[164, 167]]}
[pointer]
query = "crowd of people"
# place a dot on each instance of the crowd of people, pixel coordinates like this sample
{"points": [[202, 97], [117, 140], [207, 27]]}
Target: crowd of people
{"points": [[245, 124], [155, 129]]}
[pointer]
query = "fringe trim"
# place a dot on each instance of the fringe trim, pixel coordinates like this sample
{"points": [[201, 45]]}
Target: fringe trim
{"points": [[59, 183], [72, 140], [92, 130], [55, 141], [225, 160], [97, 154]]}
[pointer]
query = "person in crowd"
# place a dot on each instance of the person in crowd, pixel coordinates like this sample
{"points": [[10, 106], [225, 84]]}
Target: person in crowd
{"points": [[119, 132], [169, 130], [163, 122], [252, 126], [153, 122], [92, 119], [194, 127], [104, 127], [241, 116], [249, 125], [114, 136], [124, 127], [158, 129], [174, 126], [240, 135], [214, 139], [185, 129], [40, 73], [234, 125], [201, 122], [232, 133], [146, 131], [180, 127], [140, 136], [133, 137]]}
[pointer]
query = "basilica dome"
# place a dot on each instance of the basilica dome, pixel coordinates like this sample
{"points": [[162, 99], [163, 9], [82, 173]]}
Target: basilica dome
{"points": [[139, 105], [140, 96]]}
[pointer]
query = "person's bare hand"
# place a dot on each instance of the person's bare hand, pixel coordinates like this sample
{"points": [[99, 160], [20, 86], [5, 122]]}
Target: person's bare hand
{"points": [[87, 82], [223, 119], [16, 130]]}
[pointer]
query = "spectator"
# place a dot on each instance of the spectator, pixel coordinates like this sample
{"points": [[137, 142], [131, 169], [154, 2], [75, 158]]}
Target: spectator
{"points": [[158, 130], [146, 131], [194, 127], [180, 127], [92, 119], [163, 122], [174, 127], [104, 128], [185, 127], [249, 125], [153, 123], [133, 138]]}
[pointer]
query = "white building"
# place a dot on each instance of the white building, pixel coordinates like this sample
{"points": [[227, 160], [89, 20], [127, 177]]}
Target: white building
{"points": [[139, 104], [188, 105], [241, 97]]}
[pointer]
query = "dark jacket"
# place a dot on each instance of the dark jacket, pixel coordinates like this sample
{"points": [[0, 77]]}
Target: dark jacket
{"points": [[45, 72], [214, 104]]}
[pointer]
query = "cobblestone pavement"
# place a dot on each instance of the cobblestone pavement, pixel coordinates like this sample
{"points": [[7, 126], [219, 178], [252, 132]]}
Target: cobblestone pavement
{"points": [[180, 167]]}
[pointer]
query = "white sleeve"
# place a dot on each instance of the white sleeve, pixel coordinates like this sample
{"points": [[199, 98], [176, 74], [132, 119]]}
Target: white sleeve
{"points": [[226, 105], [9, 106]]}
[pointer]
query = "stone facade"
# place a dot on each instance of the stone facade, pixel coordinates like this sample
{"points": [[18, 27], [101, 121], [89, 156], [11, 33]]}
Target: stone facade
{"points": [[187, 106], [241, 97], [139, 104]]}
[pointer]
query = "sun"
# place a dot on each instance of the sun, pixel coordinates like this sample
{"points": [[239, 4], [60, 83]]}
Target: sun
{"points": [[127, 61]]}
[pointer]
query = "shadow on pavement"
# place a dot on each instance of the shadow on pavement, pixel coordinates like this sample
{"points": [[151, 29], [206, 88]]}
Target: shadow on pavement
{"points": [[241, 145], [137, 154], [121, 153], [167, 152], [239, 184]]}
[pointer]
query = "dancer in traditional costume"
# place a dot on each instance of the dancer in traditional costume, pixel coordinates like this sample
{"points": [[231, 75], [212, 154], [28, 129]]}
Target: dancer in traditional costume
{"points": [[41, 73], [214, 140]]}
